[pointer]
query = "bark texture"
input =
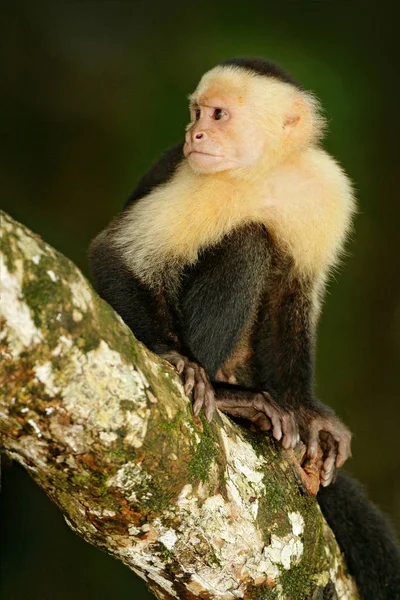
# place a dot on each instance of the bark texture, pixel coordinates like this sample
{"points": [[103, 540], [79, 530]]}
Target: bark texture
{"points": [[104, 427]]}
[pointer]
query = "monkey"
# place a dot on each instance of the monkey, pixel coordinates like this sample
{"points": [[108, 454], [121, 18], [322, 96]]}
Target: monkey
{"points": [[219, 261], [224, 202]]}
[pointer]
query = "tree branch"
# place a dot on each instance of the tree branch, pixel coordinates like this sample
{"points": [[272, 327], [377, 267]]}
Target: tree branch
{"points": [[103, 425]]}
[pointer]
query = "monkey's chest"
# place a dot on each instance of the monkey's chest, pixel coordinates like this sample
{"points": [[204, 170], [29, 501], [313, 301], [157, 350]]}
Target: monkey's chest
{"points": [[219, 302]]}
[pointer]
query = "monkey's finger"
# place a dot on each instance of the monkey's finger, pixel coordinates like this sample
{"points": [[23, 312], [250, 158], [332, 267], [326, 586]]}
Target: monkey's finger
{"points": [[344, 450], [328, 469], [189, 380], [199, 395], [209, 403], [261, 421], [175, 359], [313, 442], [286, 432], [289, 430], [209, 398], [327, 478], [180, 365], [263, 405], [238, 411], [235, 408]]}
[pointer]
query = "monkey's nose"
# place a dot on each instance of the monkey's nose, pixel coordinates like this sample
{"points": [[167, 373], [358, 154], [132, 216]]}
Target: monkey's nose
{"points": [[200, 135]]}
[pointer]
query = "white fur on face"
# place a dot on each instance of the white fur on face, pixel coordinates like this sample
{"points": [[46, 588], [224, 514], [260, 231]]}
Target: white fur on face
{"points": [[232, 142], [267, 120]]}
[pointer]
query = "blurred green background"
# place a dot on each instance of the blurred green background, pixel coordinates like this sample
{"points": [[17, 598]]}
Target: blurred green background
{"points": [[91, 92]]}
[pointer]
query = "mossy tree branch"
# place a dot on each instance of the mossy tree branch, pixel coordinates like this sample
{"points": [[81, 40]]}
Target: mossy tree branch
{"points": [[103, 425]]}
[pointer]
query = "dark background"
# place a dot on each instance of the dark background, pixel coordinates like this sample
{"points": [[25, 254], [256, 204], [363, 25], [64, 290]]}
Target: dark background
{"points": [[91, 92]]}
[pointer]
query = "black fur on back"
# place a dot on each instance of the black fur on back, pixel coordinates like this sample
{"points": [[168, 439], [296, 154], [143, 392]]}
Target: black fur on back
{"points": [[262, 66]]}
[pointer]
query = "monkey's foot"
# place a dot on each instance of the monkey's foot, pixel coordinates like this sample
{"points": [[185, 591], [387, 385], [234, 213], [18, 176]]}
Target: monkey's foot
{"points": [[306, 470], [262, 411], [334, 438], [194, 379]]}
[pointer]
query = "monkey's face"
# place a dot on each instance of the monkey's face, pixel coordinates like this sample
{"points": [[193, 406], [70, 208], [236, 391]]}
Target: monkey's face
{"points": [[240, 121], [220, 136]]}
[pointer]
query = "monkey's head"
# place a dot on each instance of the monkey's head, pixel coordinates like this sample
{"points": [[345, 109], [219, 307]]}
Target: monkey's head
{"points": [[248, 114]]}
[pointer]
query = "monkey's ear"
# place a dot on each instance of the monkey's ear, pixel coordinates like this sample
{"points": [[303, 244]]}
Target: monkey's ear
{"points": [[298, 122]]}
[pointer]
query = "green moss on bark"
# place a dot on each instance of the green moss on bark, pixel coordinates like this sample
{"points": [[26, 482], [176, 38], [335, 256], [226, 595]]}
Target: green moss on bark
{"points": [[205, 453], [8, 241]]}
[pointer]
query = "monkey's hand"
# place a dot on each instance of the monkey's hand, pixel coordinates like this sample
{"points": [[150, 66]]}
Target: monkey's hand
{"points": [[322, 429], [261, 410], [194, 379]]}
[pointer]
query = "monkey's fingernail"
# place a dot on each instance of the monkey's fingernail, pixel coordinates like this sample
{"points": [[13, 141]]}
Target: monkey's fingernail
{"points": [[312, 450], [209, 416]]}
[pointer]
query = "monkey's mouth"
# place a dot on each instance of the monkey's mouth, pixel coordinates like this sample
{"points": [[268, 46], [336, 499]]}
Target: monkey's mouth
{"points": [[204, 162], [204, 153]]}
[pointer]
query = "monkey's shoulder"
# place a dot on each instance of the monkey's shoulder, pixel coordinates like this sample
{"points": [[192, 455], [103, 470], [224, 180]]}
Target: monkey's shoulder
{"points": [[313, 177], [310, 205]]}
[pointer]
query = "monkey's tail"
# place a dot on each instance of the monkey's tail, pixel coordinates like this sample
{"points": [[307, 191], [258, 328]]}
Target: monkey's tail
{"points": [[365, 537]]}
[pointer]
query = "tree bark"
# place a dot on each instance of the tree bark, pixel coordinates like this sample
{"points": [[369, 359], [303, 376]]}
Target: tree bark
{"points": [[104, 427]]}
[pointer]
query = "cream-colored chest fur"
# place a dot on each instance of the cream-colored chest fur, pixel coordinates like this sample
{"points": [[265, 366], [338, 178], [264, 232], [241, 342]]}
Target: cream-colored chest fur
{"points": [[306, 206]]}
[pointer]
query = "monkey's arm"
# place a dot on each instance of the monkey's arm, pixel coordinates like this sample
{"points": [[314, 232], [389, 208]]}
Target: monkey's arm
{"points": [[148, 315], [142, 309], [284, 346]]}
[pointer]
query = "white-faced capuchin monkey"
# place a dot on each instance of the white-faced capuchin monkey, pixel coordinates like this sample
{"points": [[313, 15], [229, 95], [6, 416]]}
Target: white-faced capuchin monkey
{"points": [[219, 262]]}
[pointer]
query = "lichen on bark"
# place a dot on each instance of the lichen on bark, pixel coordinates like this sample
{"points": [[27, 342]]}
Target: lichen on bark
{"points": [[103, 425]]}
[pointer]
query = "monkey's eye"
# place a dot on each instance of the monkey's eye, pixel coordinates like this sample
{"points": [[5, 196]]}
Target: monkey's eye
{"points": [[197, 114], [218, 114]]}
